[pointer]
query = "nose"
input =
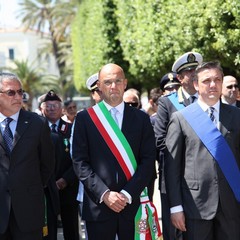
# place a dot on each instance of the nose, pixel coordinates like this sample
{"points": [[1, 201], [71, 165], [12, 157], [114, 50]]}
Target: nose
{"points": [[212, 83]]}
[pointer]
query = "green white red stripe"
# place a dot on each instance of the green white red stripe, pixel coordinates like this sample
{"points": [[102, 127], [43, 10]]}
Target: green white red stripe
{"points": [[146, 220]]}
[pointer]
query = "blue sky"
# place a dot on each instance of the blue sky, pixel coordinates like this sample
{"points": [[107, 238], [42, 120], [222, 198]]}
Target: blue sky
{"points": [[8, 9]]}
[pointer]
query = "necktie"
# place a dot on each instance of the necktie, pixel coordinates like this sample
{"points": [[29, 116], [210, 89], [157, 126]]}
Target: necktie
{"points": [[192, 99], [114, 114], [53, 128], [7, 135], [210, 113]]}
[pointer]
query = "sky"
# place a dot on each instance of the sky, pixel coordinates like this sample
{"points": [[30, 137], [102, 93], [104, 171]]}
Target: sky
{"points": [[8, 9]]}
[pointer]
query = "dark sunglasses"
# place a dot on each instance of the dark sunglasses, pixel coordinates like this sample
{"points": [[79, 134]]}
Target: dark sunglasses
{"points": [[132, 104], [12, 93], [232, 86]]}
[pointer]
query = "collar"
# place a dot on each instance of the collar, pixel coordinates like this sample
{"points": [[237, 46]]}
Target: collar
{"points": [[57, 123], [14, 116], [205, 107], [119, 107], [187, 95], [224, 101]]}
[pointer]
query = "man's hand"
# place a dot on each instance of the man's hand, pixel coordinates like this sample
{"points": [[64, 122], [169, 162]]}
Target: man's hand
{"points": [[178, 220], [115, 201], [61, 183]]}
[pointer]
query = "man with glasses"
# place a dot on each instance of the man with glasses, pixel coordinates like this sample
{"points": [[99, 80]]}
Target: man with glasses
{"points": [[184, 67], [230, 91], [26, 164], [100, 138], [131, 98], [66, 180]]}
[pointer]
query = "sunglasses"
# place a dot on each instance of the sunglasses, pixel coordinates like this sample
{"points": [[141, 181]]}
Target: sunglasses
{"points": [[232, 86], [132, 104], [12, 93]]}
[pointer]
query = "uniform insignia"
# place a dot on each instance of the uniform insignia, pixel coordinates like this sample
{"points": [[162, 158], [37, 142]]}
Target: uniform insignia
{"points": [[170, 76], [191, 58]]}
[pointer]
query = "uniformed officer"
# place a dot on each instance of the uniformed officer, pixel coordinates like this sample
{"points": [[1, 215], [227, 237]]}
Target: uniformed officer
{"points": [[169, 83], [184, 67], [91, 84]]}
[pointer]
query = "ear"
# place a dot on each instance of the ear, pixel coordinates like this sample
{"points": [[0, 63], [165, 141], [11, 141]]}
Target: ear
{"points": [[125, 83], [195, 84]]}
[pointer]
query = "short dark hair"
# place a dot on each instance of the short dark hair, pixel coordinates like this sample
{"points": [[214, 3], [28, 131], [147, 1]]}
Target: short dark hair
{"points": [[67, 103], [207, 65]]}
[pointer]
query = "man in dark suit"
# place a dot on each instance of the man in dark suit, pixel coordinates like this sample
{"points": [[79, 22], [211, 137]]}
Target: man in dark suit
{"points": [[230, 91], [110, 199], [26, 164], [183, 69], [202, 152], [66, 180]]}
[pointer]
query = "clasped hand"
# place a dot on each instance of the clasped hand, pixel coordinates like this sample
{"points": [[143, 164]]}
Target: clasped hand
{"points": [[115, 201]]}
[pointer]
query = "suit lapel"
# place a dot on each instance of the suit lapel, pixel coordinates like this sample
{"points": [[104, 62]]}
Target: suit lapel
{"points": [[22, 124], [225, 118]]}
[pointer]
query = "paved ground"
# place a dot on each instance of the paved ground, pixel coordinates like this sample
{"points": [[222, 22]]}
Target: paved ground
{"points": [[156, 200]]}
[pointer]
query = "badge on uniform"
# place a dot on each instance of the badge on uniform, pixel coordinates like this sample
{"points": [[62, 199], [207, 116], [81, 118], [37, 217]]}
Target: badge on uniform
{"points": [[65, 141]]}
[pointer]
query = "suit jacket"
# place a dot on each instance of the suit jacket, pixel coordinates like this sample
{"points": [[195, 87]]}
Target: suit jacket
{"points": [[193, 178], [164, 113], [64, 166], [99, 170], [238, 104], [25, 172]]}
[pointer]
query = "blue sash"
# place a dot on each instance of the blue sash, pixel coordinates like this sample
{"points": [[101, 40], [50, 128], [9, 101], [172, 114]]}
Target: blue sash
{"points": [[216, 145], [174, 99]]}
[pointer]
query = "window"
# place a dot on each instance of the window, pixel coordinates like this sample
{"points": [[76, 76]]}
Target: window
{"points": [[11, 53]]}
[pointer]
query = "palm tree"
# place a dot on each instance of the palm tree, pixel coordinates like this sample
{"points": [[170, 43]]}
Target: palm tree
{"points": [[55, 17], [33, 82]]}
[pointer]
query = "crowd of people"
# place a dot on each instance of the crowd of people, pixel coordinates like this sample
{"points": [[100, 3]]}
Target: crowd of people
{"points": [[98, 164]]}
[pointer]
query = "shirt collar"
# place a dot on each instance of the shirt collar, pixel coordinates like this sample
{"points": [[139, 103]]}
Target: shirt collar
{"points": [[187, 95], [14, 116], [119, 107], [205, 107]]}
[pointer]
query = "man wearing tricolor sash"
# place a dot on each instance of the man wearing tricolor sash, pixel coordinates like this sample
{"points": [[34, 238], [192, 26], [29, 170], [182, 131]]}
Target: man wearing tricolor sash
{"points": [[113, 154], [202, 162]]}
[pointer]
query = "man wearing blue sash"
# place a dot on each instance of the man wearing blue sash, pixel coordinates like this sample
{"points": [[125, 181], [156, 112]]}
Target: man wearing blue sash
{"points": [[184, 66], [202, 162]]}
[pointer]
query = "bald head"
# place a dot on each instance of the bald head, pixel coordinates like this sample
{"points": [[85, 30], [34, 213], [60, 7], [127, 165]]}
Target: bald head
{"points": [[112, 83], [229, 89]]}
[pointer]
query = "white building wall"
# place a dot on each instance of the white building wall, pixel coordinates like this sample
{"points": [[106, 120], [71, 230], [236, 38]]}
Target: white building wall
{"points": [[26, 45]]}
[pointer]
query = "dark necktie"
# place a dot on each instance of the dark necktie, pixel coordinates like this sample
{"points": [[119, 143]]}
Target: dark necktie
{"points": [[7, 135], [192, 99], [53, 128], [210, 113]]}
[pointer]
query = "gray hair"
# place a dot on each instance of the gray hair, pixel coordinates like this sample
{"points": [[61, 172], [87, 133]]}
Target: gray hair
{"points": [[8, 76]]}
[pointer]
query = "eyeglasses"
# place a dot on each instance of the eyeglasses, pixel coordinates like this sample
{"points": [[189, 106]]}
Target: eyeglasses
{"points": [[12, 93], [109, 83], [232, 86], [54, 106], [132, 104]]}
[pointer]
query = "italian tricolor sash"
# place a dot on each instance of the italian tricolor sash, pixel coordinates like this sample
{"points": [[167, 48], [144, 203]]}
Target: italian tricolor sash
{"points": [[146, 220]]}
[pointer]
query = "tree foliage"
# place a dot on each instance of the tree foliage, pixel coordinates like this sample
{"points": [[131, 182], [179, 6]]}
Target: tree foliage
{"points": [[146, 36]]}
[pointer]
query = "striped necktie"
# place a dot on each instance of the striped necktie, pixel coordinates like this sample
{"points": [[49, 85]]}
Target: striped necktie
{"points": [[7, 135], [211, 113]]}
